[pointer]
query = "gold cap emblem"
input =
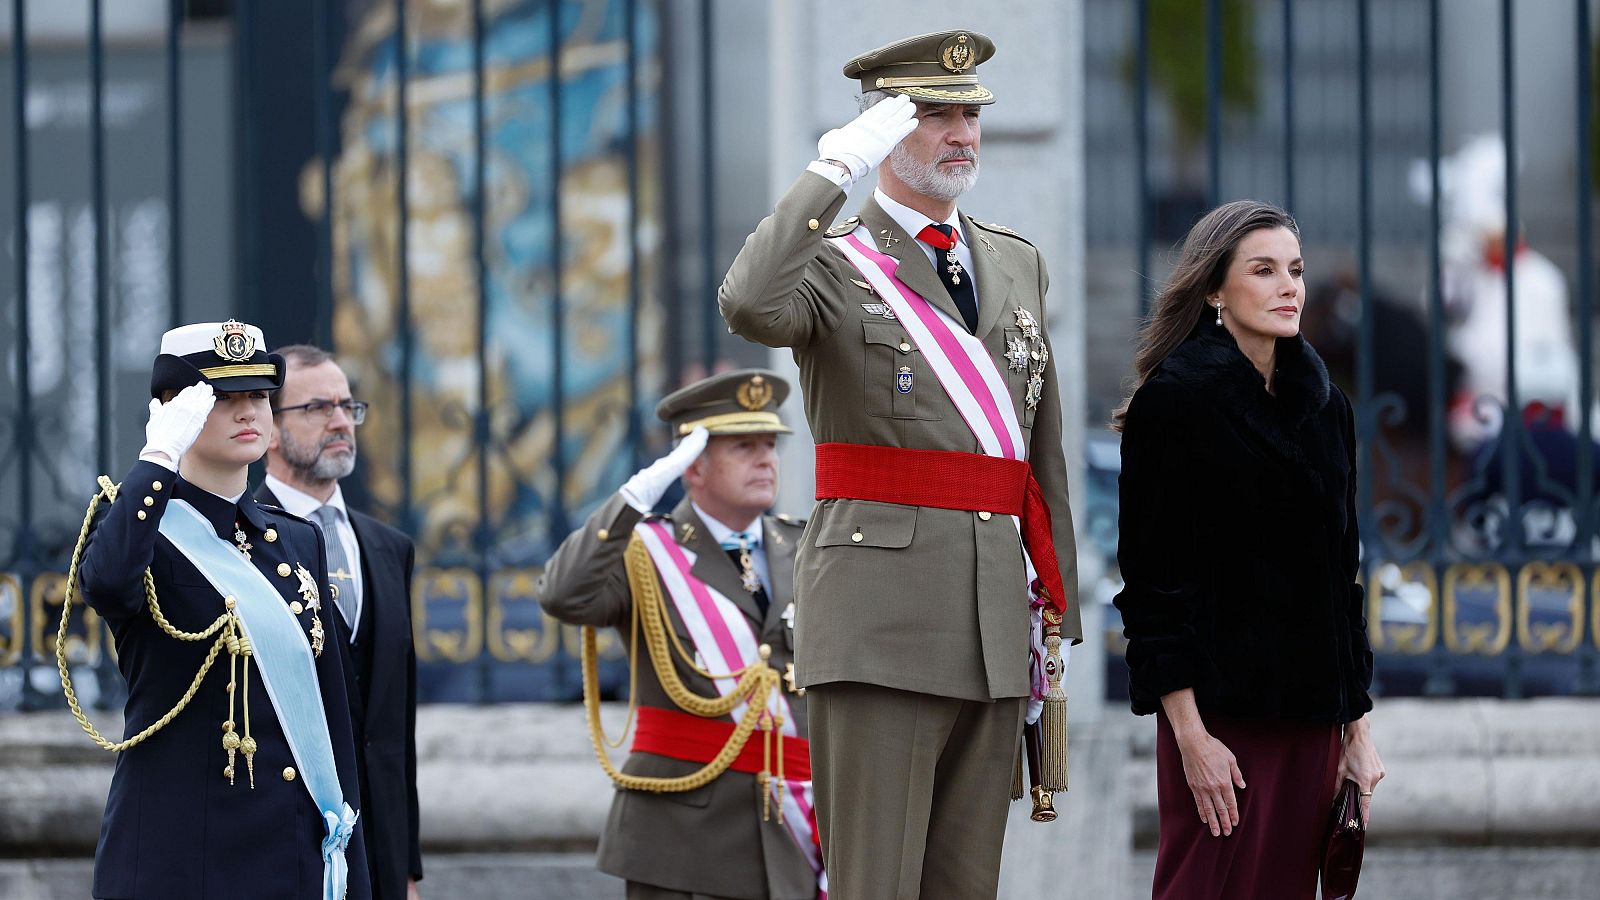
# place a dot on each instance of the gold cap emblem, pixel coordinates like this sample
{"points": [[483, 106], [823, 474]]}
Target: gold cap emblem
{"points": [[755, 394], [957, 55], [235, 342]]}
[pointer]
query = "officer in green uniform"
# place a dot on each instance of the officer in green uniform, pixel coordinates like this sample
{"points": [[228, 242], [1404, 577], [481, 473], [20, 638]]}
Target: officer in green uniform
{"points": [[913, 634], [716, 570]]}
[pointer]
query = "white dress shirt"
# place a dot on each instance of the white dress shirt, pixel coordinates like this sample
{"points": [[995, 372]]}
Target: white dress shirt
{"points": [[912, 223], [299, 503], [758, 549]]}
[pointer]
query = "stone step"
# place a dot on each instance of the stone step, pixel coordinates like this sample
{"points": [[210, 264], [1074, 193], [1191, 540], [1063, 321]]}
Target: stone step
{"points": [[1435, 873]]}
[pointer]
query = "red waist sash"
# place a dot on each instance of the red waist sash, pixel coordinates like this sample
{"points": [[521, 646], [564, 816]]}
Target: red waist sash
{"points": [[679, 735], [948, 479]]}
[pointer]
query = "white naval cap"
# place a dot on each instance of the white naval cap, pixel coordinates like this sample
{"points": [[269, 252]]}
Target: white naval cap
{"points": [[202, 336], [231, 356]]}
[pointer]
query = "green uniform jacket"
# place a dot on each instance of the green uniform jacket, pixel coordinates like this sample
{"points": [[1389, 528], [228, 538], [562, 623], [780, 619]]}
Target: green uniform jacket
{"points": [[710, 840], [928, 600]]}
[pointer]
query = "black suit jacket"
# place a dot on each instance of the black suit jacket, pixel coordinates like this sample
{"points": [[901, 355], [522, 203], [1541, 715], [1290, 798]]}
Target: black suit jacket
{"points": [[384, 704], [174, 827]]}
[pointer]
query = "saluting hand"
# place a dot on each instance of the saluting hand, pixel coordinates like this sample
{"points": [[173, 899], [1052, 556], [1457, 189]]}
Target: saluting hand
{"points": [[864, 143], [174, 425], [646, 488]]}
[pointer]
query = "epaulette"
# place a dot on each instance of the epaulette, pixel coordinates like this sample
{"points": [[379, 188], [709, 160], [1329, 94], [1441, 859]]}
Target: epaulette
{"points": [[787, 519], [1001, 229], [843, 228]]}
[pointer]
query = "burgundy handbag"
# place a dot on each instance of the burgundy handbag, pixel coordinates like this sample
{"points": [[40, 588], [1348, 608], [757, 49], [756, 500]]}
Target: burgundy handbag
{"points": [[1347, 838]]}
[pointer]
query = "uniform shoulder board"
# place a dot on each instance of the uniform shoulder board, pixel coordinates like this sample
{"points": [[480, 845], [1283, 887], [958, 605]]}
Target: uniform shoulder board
{"points": [[787, 519], [843, 228], [1001, 229]]}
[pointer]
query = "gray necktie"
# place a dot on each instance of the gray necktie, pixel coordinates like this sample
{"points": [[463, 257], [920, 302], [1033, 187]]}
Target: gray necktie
{"points": [[338, 564]]}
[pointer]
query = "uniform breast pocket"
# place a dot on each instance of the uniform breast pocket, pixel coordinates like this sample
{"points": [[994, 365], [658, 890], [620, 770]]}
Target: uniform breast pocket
{"points": [[893, 373]]}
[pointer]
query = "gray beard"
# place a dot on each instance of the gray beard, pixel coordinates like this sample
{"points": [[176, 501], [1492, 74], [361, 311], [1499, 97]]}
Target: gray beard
{"points": [[927, 179], [311, 466]]}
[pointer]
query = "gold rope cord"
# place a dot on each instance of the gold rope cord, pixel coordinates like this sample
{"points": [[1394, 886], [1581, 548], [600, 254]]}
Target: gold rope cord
{"points": [[108, 491], [756, 681]]}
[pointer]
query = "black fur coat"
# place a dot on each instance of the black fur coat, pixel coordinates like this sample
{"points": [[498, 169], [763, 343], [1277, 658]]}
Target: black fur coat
{"points": [[1238, 540]]}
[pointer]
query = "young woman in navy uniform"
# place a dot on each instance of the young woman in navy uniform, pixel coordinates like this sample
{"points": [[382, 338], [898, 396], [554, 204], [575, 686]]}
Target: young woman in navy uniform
{"points": [[239, 781]]}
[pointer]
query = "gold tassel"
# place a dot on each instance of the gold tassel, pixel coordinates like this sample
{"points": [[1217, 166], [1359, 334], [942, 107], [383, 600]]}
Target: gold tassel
{"points": [[1053, 721], [1017, 790]]}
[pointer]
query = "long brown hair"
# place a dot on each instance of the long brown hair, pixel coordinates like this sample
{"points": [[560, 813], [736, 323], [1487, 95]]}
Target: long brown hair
{"points": [[1202, 265]]}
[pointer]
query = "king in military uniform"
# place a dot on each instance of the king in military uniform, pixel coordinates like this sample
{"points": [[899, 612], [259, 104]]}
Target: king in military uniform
{"points": [[236, 774], [715, 799], [936, 582]]}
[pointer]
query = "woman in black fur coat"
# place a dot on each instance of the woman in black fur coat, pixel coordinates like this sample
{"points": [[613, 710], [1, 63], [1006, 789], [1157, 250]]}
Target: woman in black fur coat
{"points": [[1245, 624]]}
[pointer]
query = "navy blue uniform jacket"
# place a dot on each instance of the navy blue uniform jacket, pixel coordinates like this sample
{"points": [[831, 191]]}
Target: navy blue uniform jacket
{"points": [[174, 827], [385, 704]]}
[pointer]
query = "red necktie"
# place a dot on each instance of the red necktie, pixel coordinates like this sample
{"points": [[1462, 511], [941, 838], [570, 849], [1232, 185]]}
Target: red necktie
{"points": [[943, 238]]}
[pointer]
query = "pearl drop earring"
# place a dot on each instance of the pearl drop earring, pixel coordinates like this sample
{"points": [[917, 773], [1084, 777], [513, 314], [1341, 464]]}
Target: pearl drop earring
{"points": [[1219, 313]]}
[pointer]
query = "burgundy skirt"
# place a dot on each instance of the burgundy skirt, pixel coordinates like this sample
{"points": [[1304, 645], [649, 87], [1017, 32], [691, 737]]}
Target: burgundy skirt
{"points": [[1275, 851]]}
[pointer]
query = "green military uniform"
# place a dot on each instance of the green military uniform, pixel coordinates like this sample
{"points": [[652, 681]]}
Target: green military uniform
{"points": [[712, 841], [913, 625]]}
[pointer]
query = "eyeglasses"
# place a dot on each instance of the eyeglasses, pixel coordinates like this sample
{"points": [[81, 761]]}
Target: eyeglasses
{"points": [[355, 409]]}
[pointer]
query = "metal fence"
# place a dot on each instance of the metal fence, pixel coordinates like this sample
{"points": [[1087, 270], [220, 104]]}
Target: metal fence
{"points": [[501, 268], [1470, 361], [512, 276]]}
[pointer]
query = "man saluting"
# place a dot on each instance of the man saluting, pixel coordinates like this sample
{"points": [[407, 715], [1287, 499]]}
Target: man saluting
{"points": [[936, 580]]}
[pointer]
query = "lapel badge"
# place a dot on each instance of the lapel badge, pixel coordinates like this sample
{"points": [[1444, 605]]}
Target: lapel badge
{"points": [[879, 309], [903, 380], [235, 342], [889, 240], [986, 245], [1016, 354], [686, 533]]}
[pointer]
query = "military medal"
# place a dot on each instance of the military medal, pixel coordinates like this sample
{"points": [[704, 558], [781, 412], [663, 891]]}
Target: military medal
{"points": [[1029, 325], [308, 592], [953, 266], [1016, 354], [240, 538], [747, 569]]}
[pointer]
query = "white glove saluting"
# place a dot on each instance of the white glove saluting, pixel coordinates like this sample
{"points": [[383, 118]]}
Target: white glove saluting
{"points": [[864, 143], [174, 425], [646, 488]]}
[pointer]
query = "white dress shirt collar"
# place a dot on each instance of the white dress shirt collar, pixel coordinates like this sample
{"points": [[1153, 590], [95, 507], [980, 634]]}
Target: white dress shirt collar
{"points": [[911, 221], [299, 503]]}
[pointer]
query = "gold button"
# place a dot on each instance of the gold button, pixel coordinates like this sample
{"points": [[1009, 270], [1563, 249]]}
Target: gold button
{"points": [[149, 501], [229, 602], [984, 516], [813, 224], [141, 515], [905, 347], [856, 537], [288, 773], [155, 485], [603, 534], [283, 569], [271, 535], [295, 607]]}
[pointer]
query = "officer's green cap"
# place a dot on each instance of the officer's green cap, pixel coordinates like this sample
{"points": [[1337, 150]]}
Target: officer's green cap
{"points": [[745, 401], [941, 67]]}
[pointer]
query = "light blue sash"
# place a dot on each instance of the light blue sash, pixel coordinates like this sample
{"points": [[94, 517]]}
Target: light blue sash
{"points": [[284, 660]]}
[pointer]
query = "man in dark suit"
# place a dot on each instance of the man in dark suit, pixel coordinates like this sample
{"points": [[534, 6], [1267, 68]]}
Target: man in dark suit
{"points": [[369, 566]]}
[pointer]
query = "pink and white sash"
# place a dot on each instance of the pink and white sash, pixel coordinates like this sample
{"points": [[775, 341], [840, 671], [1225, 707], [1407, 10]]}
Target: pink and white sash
{"points": [[725, 643], [974, 384]]}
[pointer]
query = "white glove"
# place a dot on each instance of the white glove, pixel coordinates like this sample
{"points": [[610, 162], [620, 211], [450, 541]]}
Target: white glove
{"points": [[174, 425], [866, 142], [647, 486]]}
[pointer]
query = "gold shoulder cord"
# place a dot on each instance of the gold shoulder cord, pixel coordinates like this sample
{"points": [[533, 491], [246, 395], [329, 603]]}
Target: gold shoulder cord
{"points": [[226, 628], [756, 682]]}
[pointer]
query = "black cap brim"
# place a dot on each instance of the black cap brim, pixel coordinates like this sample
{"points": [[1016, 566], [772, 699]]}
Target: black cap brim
{"points": [[263, 372]]}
